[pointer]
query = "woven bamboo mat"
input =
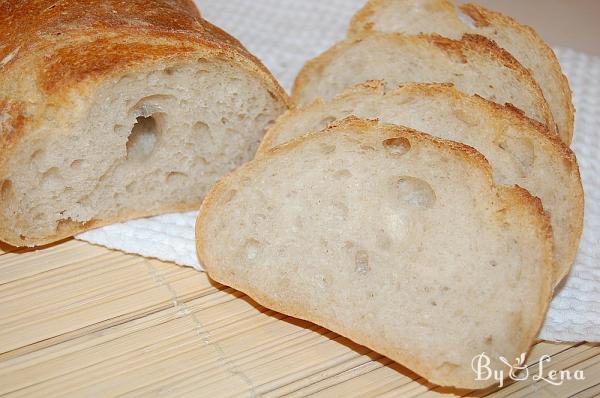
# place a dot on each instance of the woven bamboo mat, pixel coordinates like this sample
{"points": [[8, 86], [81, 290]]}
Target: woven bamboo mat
{"points": [[80, 320]]}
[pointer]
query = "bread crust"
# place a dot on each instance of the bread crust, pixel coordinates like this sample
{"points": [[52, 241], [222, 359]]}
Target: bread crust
{"points": [[52, 52], [484, 18], [455, 48], [529, 206]]}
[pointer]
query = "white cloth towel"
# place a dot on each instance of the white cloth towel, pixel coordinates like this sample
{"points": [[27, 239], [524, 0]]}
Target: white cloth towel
{"points": [[286, 33]]}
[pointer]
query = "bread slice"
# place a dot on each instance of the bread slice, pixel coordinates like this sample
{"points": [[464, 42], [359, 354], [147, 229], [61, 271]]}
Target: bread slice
{"points": [[474, 64], [395, 239], [442, 17], [521, 151], [138, 116]]}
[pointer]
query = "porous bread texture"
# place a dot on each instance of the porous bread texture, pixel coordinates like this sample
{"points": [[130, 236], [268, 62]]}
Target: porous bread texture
{"points": [[521, 151], [474, 64], [442, 17], [145, 143], [375, 233], [136, 117]]}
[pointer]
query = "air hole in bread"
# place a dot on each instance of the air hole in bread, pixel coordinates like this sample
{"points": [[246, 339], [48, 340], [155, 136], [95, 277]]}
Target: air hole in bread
{"points": [[341, 174], [361, 262], [201, 72], [203, 130], [76, 164], [129, 188], [367, 148], [36, 158], [415, 192], [51, 179], [176, 177], [339, 211], [259, 218], [251, 248], [142, 139], [398, 146], [151, 105], [403, 98], [521, 150], [68, 224], [327, 149], [6, 190], [467, 118]]}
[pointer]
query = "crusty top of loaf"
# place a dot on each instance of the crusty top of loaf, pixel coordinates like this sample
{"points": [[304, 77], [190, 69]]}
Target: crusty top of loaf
{"points": [[49, 47], [28, 24], [33, 25]]}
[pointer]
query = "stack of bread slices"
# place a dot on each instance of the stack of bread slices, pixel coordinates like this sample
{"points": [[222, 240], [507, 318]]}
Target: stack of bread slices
{"points": [[420, 199]]}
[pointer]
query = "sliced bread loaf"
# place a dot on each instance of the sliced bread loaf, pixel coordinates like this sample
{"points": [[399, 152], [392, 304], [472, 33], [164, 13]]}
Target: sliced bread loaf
{"points": [[442, 17], [521, 151], [138, 116], [395, 239], [474, 64]]}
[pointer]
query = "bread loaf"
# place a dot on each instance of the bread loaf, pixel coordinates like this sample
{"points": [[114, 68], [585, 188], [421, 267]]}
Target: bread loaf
{"points": [[474, 64], [521, 151], [111, 110], [442, 17], [392, 238]]}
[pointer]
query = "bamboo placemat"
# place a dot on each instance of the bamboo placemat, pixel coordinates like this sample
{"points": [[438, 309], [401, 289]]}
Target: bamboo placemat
{"points": [[80, 320]]}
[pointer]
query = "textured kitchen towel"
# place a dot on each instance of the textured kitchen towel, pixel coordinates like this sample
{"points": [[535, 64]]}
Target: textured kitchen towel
{"points": [[286, 33]]}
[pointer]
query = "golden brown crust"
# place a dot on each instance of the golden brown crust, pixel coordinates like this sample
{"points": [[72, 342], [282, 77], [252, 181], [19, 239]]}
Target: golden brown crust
{"points": [[529, 206], [78, 62], [533, 205], [455, 48], [486, 18], [477, 14], [29, 23]]}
